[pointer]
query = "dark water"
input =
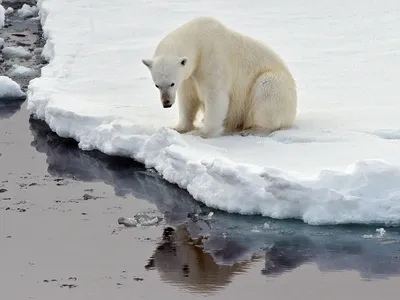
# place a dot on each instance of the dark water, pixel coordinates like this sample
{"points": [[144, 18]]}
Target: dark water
{"points": [[9, 108]]}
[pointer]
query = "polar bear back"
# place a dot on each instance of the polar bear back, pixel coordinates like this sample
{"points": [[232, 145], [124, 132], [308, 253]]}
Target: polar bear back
{"points": [[216, 50]]}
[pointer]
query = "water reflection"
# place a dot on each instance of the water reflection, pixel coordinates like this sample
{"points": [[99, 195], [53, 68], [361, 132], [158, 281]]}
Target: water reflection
{"points": [[234, 241], [371, 258], [8, 107], [181, 261]]}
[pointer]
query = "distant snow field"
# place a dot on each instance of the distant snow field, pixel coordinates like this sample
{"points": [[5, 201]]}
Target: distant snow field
{"points": [[339, 164]]}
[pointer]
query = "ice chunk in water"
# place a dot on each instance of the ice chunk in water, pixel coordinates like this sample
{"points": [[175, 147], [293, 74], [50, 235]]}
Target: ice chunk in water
{"points": [[381, 231], [140, 219]]}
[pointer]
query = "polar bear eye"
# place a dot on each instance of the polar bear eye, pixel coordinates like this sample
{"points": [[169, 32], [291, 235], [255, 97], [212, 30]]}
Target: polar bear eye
{"points": [[172, 84], [157, 86]]}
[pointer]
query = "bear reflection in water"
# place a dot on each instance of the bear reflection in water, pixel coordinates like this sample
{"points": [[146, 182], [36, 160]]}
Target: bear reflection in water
{"points": [[205, 267], [182, 261]]}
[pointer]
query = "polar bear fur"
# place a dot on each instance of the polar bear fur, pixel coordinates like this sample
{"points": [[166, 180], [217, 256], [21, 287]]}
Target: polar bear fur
{"points": [[240, 84]]}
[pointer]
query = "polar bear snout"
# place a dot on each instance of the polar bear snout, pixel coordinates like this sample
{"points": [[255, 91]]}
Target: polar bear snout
{"points": [[166, 103], [167, 99]]}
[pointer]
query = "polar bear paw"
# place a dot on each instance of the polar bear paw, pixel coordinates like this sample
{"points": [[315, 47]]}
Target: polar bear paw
{"points": [[182, 128], [206, 134]]}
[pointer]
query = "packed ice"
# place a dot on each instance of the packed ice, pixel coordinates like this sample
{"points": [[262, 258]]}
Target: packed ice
{"points": [[9, 10], [27, 11], [338, 164], [21, 71], [16, 52]]}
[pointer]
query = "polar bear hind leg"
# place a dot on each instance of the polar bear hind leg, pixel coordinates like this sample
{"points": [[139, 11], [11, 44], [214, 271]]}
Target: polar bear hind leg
{"points": [[273, 104]]}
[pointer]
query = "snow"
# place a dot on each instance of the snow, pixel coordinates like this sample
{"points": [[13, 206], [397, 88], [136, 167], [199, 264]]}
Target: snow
{"points": [[21, 71], [1, 42], [339, 164], [16, 52], [27, 11], [9, 89], [2, 16], [381, 231]]}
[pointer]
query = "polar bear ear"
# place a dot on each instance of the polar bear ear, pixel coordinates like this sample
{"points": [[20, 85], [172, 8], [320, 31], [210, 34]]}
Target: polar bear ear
{"points": [[183, 61], [147, 62]]}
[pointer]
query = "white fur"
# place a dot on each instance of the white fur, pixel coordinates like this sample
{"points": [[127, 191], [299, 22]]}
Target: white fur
{"points": [[239, 83]]}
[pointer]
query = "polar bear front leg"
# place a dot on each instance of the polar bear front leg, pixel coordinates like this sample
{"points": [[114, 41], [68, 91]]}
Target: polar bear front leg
{"points": [[188, 107], [215, 112]]}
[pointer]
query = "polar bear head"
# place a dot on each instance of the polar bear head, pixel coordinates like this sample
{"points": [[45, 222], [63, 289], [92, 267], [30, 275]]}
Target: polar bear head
{"points": [[167, 72]]}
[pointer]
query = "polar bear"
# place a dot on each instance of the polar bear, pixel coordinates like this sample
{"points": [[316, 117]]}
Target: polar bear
{"points": [[240, 84]]}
